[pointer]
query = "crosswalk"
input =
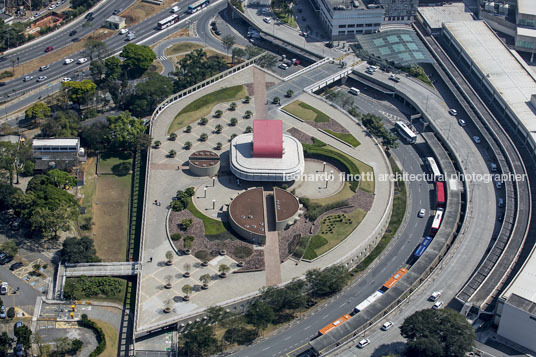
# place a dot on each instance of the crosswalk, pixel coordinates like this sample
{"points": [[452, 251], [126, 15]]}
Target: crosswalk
{"points": [[162, 58]]}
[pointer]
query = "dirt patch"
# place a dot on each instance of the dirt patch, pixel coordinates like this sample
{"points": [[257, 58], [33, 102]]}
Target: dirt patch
{"points": [[142, 10], [301, 136], [110, 217], [332, 125], [254, 262]]}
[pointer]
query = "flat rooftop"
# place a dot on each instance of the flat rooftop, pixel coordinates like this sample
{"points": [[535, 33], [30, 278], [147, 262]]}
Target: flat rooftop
{"points": [[55, 142], [524, 284], [526, 7], [204, 158], [435, 16], [504, 70], [523, 31], [247, 210]]}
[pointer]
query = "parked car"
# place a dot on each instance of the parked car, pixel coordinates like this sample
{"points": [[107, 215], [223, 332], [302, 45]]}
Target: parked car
{"points": [[363, 343], [438, 305], [3, 312], [283, 66], [17, 325], [5, 258], [44, 68], [41, 78], [218, 32], [3, 288], [76, 39], [387, 325], [72, 33], [49, 48], [16, 266], [19, 350], [68, 61], [453, 112]]}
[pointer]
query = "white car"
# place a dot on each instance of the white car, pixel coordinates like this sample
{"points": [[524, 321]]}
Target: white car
{"points": [[41, 78], [82, 60], [283, 66], [476, 139], [44, 68], [438, 305], [267, 20], [3, 312], [387, 325], [421, 213], [363, 343], [435, 295], [462, 122], [498, 184], [68, 61], [3, 288], [52, 7], [123, 31], [453, 112], [66, 79], [27, 78]]}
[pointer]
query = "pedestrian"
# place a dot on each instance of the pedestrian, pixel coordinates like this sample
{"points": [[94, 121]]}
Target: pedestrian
{"points": [[150, 259], [155, 202]]}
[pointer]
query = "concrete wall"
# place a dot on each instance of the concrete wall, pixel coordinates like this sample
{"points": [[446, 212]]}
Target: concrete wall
{"points": [[518, 326], [204, 171]]}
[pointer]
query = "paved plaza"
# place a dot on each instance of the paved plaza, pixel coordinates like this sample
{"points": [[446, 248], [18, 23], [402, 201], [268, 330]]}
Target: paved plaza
{"points": [[167, 175]]}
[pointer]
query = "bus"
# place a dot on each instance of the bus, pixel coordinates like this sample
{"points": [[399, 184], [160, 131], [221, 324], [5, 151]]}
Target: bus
{"points": [[422, 247], [406, 132], [440, 194], [168, 21], [334, 324], [394, 279], [437, 222], [198, 5], [434, 169], [375, 296]]}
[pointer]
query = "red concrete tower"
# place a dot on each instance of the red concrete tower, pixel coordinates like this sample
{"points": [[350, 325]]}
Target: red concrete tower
{"points": [[268, 138]]}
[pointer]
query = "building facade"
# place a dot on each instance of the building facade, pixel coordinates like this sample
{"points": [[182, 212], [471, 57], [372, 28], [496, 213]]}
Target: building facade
{"points": [[399, 11]]}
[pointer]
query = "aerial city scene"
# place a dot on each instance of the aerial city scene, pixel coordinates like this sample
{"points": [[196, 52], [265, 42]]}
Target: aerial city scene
{"points": [[267, 178]]}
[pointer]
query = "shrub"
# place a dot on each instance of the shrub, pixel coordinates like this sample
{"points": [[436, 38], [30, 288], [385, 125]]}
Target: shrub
{"points": [[202, 255], [101, 338], [242, 252], [172, 136], [176, 236]]}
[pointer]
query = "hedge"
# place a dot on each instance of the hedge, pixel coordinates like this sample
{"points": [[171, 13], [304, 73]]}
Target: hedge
{"points": [[101, 338]]}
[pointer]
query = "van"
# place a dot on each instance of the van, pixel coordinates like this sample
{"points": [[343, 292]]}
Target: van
{"points": [[354, 91], [130, 36], [175, 9]]}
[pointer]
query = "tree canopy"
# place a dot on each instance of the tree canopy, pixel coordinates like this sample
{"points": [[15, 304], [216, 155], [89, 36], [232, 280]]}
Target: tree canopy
{"points": [[23, 335], [79, 92], [37, 113], [441, 332], [137, 59], [260, 315], [5, 343], [196, 67], [200, 340], [124, 130], [328, 281], [149, 93], [81, 250]]}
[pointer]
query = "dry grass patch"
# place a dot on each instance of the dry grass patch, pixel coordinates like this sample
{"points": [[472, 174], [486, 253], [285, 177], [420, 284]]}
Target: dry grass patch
{"points": [[182, 47], [142, 10], [157, 67], [110, 216], [112, 338]]}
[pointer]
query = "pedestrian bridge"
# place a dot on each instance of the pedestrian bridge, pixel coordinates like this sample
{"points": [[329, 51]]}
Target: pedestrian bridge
{"points": [[101, 269]]}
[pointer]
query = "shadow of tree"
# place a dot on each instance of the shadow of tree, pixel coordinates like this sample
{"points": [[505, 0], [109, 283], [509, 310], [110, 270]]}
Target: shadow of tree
{"points": [[391, 349]]}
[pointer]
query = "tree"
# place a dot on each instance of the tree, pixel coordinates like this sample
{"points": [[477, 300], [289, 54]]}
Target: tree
{"points": [[203, 137], [228, 42], [218, 145], [187, 290], [234, 121], [328, 281], [37, 113], [186, 223], [123, 130], [195, 67], [267, 61], [233, 106], [6, 343], [240, 335], [276, 100], [169, 256], [290, 297], [76, 345], [79, 92], [429, 331], [60, 178], [218, 113], [137, 59], [11, 312], [7, 192], [205, 279], [10, 248], [249, 129], [173, 136], [157, 144], [252, 51], [23, 335], [188, 145], [260, 315], [290, 93], [218, 128], [172, 153], [95, 48], [64, 124], [188, 129], [97, 69], [247, 99], [203, 121], [223, 269], [200, 340], [149, 93], [81, 250], [237, 52], [49, 221], [248, 114], [216, 314]]}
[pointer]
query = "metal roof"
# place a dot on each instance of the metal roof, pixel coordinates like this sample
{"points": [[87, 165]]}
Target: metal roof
{"points": [[526, 7], [55, 142]]}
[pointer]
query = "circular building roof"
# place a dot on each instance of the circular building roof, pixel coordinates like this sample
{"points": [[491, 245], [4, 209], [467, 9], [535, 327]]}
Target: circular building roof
{"points": [[204, 158], [247, 210]]}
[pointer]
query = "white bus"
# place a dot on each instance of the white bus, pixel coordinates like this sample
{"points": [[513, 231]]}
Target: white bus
{"points": [[434, 169], [406, 132], [375, 296], [198, 5], [168, 21]]}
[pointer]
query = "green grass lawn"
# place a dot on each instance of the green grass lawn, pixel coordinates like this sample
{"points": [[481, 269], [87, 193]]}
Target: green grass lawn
{"points": [[214, 229], [107, 163], [346, 137], [182, 47], [119, 297], [202, 107], [306, 112]]}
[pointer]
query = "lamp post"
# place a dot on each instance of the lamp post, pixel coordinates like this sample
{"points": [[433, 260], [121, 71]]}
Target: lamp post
{"points": [[213, 204], [205, 192]]}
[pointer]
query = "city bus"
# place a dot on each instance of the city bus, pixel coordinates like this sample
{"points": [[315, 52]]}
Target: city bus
{"points": [[406, 132], [168, 21], [437, 222], [198, 5], [375, 296], [394, 279], [422, 247], [434, 169], [334, 324], [440, 194]]}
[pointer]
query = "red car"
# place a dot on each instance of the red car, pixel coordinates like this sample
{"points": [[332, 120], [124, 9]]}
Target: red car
{"points": [[49, 48]]}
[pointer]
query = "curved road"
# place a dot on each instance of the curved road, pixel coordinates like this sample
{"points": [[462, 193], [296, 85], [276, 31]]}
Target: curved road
{"points": [[303, 330]]}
